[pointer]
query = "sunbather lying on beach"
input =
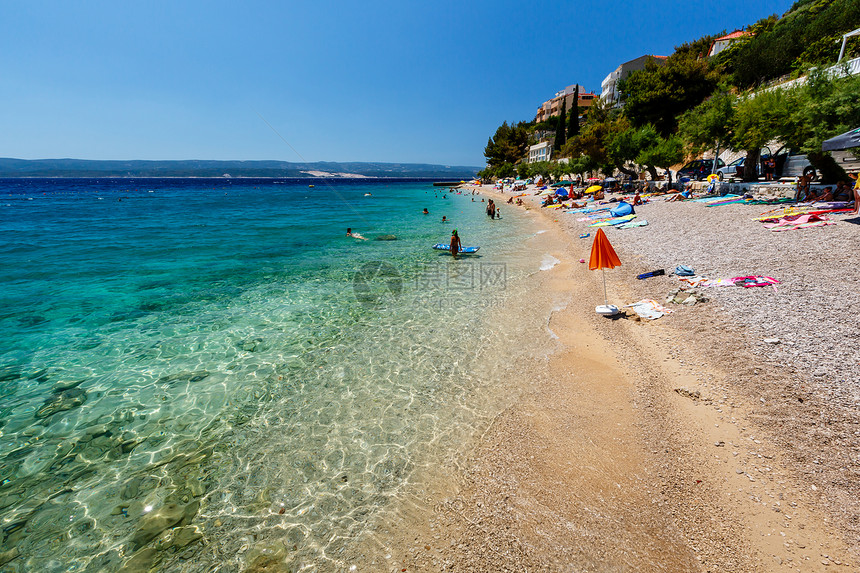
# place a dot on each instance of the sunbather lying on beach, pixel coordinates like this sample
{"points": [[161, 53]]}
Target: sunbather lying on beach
{"points": [[826, 195], [843, 192], [682, 196], [810, 196]]}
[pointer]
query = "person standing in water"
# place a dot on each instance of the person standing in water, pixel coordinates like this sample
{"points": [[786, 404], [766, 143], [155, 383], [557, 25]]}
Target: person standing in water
{"points": [[455, 243]]}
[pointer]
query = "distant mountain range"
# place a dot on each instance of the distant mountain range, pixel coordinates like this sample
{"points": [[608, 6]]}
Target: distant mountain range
{"points": [[201, 168]]}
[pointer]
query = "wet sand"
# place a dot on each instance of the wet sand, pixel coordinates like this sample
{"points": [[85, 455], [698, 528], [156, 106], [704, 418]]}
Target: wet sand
{"points": [[667, 445]]}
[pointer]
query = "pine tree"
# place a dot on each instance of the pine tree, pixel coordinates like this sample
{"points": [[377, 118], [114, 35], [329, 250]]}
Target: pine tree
{"points": [[573, 122], [559, 130]]}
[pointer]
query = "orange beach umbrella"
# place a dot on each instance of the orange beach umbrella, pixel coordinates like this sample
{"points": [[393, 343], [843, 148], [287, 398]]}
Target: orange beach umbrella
{"points": [[602, 254], [603, 257]]}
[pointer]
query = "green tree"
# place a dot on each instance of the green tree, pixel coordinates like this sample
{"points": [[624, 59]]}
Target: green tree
{"points": [[825, 106], [559, 132], [573, 121], [657, 151], [623, 145], [806, 34], [759, 118], [523, 171], [709, 124], [657, 95], [508, 145], [505, 170]]}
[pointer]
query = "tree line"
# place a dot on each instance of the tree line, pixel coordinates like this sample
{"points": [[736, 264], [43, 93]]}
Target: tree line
{"points": [[693, 103]]}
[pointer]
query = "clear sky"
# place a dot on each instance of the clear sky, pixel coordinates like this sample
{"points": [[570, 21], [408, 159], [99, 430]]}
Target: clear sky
{"points": [[423, 82]]}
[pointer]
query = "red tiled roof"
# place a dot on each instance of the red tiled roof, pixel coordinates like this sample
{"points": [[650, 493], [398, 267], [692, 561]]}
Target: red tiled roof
{"points": [[733, 35]]}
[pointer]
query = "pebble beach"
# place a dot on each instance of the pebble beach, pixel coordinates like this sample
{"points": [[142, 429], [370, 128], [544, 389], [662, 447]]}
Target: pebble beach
{"points": [[727, 429]]}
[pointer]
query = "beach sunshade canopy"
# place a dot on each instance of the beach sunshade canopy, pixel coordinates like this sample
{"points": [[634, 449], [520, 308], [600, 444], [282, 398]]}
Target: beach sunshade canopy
{"points": [[593, 179], [593, 189], [845, 141], [602, 254], [610, 180]]}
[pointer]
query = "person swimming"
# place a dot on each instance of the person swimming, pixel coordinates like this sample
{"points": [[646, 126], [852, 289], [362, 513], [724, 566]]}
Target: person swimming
{"points": [[349, 233], [444, 219], [425, 211]]}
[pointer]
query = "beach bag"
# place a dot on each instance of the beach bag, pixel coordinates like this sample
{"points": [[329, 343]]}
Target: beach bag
{"points": [[684, 271]]}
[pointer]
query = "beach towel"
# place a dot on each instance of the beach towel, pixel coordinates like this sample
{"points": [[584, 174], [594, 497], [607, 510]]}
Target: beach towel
{"points": [[613, 221], [632, 224], [696, 281], [755, 281], [792, 222], [722, 202], [650, 309]]}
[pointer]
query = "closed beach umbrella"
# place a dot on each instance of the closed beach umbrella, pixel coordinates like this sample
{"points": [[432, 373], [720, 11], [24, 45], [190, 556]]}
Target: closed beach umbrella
{"points": [[593, 189], [845, 141], [603, 257]]}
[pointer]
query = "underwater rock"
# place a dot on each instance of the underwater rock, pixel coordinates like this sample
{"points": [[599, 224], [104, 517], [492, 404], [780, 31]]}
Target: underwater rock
{"points": [[8, 373], [141, 562], [62, 401], [156, 521], [386, 238], [8, 556], [266, 559], [168, 515], [250, 344], [39, 375], [185, 376], [131, 488], [61, 385], [185, 536], [31, 320]]}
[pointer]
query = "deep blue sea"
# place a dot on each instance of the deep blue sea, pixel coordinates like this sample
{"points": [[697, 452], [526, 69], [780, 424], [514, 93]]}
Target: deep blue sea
{"points": [[212, 368]]}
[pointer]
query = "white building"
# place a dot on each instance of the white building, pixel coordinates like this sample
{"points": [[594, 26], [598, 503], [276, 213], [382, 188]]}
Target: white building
{"points": [[609, 93], [724, 42], [539, 152]]}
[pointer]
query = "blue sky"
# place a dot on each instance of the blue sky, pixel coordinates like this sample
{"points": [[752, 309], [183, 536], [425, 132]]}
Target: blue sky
{"points": [[340, 81]]}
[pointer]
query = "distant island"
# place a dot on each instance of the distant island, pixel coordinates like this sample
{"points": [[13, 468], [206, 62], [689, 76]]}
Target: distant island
{"points": [[202, 168]]}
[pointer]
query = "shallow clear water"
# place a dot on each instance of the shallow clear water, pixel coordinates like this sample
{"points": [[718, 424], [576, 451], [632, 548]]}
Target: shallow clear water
{"points": [[221, 349]]}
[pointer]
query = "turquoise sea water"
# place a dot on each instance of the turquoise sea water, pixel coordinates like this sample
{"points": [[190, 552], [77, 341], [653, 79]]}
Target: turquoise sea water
{"points": [[217, 355]]}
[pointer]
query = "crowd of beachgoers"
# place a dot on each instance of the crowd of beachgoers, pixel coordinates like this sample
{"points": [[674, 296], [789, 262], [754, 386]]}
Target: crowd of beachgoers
{"points": [[762, 285], [797, 249]]}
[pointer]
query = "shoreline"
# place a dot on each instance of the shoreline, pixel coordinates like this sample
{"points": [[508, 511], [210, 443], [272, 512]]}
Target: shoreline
{"points": [[701, 479]]}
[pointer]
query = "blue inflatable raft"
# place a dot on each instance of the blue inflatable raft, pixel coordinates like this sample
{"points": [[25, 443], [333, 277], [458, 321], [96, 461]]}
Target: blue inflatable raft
{"points": [[463, 250]]}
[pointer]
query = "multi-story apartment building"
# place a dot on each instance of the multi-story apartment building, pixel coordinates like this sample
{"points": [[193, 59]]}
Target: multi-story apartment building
{"points": [[552, 107], [609, 93]]}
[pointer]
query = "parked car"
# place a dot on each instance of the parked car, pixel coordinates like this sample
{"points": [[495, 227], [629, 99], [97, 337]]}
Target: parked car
{"points": [[792, 163], [699, 169], [735, 169]]}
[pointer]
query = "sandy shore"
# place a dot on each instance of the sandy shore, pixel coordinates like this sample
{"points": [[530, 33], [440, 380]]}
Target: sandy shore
{"points": [[688, 443]]}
